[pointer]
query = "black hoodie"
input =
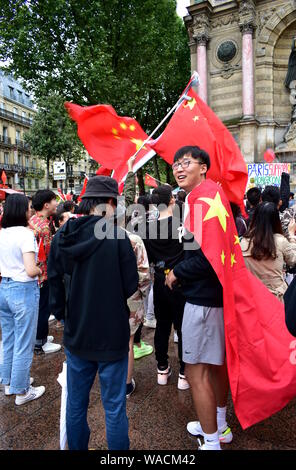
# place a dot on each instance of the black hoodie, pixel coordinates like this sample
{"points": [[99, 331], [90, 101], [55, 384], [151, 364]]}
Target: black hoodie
{"points": [[103, 276]]}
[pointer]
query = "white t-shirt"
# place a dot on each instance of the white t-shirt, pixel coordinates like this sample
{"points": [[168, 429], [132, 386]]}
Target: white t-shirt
{"points": [[14, 241]]}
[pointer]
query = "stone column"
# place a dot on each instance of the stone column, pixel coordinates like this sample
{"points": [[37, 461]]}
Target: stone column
{"points": [[248, 72], [200, 34], [247, 23], [202, 67]]}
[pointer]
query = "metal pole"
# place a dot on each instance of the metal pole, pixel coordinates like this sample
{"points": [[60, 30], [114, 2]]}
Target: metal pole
{"points": [[193, 81]]}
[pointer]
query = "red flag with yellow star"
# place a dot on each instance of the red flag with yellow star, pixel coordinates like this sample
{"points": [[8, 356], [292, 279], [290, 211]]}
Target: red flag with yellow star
{"points": [[150, 181], [194, 123], [262, 374], [109, 139]]}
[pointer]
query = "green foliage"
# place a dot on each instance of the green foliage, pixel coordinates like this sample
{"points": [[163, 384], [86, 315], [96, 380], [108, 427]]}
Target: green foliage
{"points": [[52, 135], [132, 54]]}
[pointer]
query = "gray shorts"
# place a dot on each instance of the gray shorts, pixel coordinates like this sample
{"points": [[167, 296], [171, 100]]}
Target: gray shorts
{"points": [[203, 336]]}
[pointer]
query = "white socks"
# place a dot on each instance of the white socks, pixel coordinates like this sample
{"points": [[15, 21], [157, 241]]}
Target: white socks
{"points": [[212, 441], [221, 418]]}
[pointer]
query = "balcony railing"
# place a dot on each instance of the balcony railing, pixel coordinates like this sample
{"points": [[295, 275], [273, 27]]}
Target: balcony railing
{"points": [[15, 117], [24, 170]]}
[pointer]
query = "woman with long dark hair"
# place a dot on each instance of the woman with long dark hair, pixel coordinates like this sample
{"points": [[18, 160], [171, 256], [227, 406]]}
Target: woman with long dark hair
{"points": [[19, 299], [266, 250]]}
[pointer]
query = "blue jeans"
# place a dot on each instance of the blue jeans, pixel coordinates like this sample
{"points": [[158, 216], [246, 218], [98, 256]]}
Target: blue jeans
{"points": [[80, 378], [19, 303]]}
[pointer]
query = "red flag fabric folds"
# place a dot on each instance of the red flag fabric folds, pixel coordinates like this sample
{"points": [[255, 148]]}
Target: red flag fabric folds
{"points": [[150, 181], [109, 139], [103, 171], [262, 377], [194, 123]]}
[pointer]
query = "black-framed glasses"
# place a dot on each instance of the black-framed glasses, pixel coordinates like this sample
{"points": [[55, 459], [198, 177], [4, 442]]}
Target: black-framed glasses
{"points": [[184, 164]]}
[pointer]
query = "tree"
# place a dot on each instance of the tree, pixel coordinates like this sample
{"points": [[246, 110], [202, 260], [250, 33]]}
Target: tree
{"points": [[129, 53], [52, 135]]}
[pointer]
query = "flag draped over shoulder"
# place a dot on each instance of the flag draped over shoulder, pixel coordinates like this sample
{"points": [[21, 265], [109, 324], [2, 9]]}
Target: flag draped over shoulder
{"points": [[150, 181], [194, 123], [109, 139], [262, 377]]}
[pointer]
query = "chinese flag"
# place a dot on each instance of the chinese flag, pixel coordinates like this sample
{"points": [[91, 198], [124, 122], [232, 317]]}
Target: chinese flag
{"points": [[258, 344], [3, 177], [194, 123], [103, 171], [109, 139], [41, 252], [150, 181], [269, 155]]}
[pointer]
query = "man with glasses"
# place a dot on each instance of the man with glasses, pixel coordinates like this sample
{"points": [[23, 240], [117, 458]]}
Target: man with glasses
{"points": [[203, 324]]}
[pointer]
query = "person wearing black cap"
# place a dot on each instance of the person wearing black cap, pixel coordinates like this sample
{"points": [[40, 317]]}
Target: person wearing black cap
{"points": [[100, 260]]}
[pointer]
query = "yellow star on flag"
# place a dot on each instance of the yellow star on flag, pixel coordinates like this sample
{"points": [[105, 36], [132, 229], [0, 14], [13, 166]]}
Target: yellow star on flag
{"points": [[138, 143], [123, 126], [114, 131], [236, 238], [233, 261], [132, 127], [190, 104], [196, 118], [223, 257], [216, 210]]}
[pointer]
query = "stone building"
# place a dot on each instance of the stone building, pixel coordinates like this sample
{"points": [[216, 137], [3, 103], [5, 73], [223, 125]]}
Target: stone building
{"points": [[241, 50], [23, 171]]}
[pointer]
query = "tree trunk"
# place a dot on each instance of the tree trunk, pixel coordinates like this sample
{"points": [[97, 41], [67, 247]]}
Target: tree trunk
{"points": [[156, 170], [47, 172], [141, 182], [168, 173]]}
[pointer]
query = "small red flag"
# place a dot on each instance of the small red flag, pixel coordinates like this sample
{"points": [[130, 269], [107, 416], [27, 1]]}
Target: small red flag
{"points": [[41, 252], [262, 375], [4, 177], [69, 197], [62, 195], [150, 181], [269, 155], [83, 189], [109, 139]]}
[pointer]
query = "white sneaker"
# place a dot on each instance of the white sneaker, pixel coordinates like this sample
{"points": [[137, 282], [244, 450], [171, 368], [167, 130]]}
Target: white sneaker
{"points": [[182, 383], [150, 323], [51, 318], [194, 428], [50, 339], [208, 446], [32, 394], [176, 339], [163, 376], [7, 388], [49, 348]]}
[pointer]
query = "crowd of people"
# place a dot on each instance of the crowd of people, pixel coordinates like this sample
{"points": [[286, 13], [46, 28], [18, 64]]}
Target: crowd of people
{"points": [[58, 259]]}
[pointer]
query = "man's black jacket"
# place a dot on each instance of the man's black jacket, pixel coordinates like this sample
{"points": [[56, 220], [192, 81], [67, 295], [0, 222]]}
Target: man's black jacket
{"points": [[103, 275]]}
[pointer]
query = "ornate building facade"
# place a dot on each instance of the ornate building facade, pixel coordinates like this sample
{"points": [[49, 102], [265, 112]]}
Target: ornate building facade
{"points": [[241, 50], [23, 171]]}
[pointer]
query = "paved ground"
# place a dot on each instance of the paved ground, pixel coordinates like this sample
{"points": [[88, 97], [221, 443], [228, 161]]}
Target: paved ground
{"points": [[157, 415]]}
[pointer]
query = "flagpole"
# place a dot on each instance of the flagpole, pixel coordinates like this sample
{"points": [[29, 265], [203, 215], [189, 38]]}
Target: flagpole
{"points": [[193, 81]]}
